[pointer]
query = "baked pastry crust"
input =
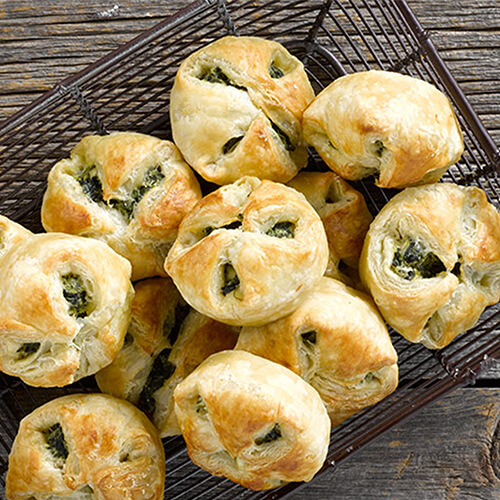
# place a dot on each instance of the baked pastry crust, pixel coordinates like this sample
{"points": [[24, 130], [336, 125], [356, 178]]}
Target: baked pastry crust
{"points": [[376, 122], [431, 261], [251, 420], [64, 308], [86, 446], [337, 342], [344, 214], [236, 109], [166, 341], [247, 252], [11, 233], [130, 190]]}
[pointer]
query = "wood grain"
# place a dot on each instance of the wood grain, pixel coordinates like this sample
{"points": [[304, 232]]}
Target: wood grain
{"points": [[448, 451]]}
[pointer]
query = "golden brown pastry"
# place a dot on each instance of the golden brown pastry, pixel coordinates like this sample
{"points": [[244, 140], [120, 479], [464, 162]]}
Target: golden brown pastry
{"points": [[247, 252], [236, 107], [127, 189], [344, 214], [431, 260], [400, 128], [251, 420], [11, 233], [337, 342], [86, 446], [64, 308], [166, 341]]}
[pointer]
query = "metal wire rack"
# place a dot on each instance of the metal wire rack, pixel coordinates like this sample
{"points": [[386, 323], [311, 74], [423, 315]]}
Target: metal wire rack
{"points": [[129, 90]]}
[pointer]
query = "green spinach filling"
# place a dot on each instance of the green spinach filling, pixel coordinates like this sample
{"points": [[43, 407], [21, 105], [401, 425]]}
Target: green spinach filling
{"points": [[27, 350], [273, 435], [126, 207], [379, 148], [282, 230], [230, 279], [456, 269], [161, 371], [201, 407], [275, 72], [54, 436], [283, 137], [216, 75], [91, 184], [75, 295], [411, 260], [129, 339], [309, 337], [172, 329], [231, 225], [231, 144]]}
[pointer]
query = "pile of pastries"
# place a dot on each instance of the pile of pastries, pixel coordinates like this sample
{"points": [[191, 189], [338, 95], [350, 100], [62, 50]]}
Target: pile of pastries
{"points": [[249, 320]]}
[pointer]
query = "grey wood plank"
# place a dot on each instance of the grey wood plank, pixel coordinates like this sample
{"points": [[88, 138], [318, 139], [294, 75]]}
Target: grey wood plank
{"points": [[447, 451]]}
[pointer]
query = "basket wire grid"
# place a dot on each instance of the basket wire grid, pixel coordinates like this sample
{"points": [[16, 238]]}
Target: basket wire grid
{"points": [[129, 90]]}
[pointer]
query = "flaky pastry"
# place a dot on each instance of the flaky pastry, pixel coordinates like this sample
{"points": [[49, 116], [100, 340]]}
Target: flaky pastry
{"points": [[11, 233], [166, 341], [130, 190], [251, 420], [431, 261], [236, 109], [86, 446], [344, 214], [247, 252], [337, 342], [64, 308], [400, 128]]}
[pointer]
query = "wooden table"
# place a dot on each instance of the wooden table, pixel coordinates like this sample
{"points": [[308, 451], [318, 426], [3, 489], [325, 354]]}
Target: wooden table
{"points": [[449, 450]]}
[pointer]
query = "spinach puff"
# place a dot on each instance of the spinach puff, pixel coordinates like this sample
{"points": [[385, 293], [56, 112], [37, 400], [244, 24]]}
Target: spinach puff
{"points": [[247, 252], [64, 308], [252, 421], [400, 128], [345, 216], [431, 261], [236, 109], [166, 340], [130, 190], [337, 342], [86, 446]]}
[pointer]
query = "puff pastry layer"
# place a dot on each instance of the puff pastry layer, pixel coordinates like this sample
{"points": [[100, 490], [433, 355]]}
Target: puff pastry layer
{"points": [[11, 233], [166, 341], [251, 420], [247, 252], [86, 446], [400, 128], [236, 109], [345, 216], [337, 342], [130, 190], [431, 261], [64, 308]]}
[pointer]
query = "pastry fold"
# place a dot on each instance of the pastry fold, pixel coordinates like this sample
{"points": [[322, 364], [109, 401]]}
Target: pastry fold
{"points": [[399, 128], [166, 340], [236, 109], [431, 261], [337, 342], [248, 251], [86, 446], [130, 190], [251, 420], [64, 308]]}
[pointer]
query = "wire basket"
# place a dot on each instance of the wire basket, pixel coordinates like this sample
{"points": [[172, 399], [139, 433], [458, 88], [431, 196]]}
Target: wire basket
{"points": [[129, 90]]}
